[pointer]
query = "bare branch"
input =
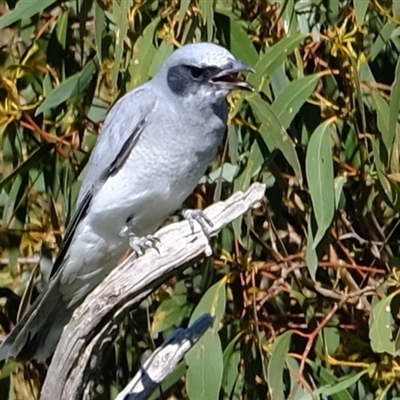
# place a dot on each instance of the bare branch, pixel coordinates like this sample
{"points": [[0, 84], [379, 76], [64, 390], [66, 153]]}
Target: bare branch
{"points": [[164, 360], [80, 348]]}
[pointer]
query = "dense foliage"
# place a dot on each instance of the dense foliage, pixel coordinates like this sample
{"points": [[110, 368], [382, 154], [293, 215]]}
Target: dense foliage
{"points": [[305, 289]]}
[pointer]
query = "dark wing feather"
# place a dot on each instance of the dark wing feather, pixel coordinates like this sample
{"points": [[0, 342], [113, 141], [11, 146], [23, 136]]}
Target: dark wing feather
{"points": [[69, 234], [121, 130]]}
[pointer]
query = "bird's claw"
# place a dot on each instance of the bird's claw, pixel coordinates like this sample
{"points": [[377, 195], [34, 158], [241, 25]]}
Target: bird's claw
{"points": [[201, 218], [140, 244]]}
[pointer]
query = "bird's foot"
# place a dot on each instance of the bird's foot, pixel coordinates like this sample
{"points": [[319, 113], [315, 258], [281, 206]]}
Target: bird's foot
{"points": [[200, 217], [140, 244]]}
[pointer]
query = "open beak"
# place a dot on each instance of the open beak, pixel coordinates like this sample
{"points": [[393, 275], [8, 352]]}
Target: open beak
{"points": [[231, 77]]}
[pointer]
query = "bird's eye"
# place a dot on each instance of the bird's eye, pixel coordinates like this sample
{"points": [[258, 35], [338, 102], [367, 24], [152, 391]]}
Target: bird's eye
{"points": [[196, 72]]}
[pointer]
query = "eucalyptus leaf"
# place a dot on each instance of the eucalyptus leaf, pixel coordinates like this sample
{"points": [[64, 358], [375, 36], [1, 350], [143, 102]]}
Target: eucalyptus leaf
{"points": [[23, 10], [319, 169], [276, 365]]}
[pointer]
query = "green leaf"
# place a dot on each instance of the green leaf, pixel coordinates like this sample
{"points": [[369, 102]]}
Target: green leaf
{"points": [[296, 389], [242, 182], [69, 89], [11, 367], [162, 53], [383, 111], [274, 134], [205, 368], [293, 19], [277, 82], [331, 389], [380, 327], [273, 57], [121, 10], [390, 195], [339, 183], [232, 379], [62, 27], [328, 379], [396, 9], [292, 98], [170, 313], [382, 39], [32, 161], [241, 45], [319, 170], [311, 254], [394, 104], [276, 365], [225, 173], [143, 55], [360, 7], [23, 10], [213, 302], [255, 160], [182, 13], [84, 79], [207, 11], [59, 95], [331, 338], [205, 359]]}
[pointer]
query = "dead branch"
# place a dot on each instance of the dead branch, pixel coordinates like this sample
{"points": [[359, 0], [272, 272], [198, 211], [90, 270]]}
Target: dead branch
{"points": [[79, 351]]}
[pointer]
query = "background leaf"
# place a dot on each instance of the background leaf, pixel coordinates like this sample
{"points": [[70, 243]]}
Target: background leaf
{"points": [[292, 98], [24, 9], [276, 365], [319, 169], [381, 322], [205, 359]]}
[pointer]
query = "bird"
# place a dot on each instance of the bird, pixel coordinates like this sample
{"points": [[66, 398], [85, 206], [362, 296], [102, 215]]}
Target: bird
{"points": [[156, 142]]}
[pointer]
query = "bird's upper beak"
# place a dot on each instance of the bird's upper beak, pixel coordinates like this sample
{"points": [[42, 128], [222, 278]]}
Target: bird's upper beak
{"points": [[230, 77]]}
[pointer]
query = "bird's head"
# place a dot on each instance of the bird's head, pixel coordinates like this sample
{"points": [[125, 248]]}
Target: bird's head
{"points": [[204, 71]]}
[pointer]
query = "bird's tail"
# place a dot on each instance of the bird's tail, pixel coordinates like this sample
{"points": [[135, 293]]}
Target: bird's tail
{"points": [[36, 335]]}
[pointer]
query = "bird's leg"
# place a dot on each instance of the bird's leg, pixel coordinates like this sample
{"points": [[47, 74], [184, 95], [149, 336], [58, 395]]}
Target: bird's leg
{"points": [[138, 244], [200, 217]]}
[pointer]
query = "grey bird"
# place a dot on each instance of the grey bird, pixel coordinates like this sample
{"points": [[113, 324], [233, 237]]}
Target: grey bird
{"points": [[155, 145]]}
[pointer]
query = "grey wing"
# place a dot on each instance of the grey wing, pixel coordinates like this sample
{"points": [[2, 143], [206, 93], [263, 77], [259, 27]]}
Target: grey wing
{"points": [[120, 131], [123, 125]]}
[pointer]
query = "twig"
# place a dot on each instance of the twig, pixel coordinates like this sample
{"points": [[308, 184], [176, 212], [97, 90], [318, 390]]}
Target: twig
{"points": [[313, 335], [80, 348], [164, 360]]}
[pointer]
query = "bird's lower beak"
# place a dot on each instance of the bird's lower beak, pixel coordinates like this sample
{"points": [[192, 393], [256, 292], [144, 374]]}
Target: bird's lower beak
{"points": [[231, 77]]}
